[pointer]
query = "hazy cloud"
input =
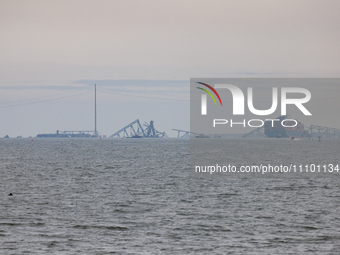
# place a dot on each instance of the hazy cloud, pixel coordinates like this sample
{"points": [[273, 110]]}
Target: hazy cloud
{"points": [[55, 46]]}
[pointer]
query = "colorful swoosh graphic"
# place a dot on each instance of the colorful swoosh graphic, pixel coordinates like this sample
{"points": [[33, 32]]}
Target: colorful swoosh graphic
{"points": [[208, 93], [213, 90]]}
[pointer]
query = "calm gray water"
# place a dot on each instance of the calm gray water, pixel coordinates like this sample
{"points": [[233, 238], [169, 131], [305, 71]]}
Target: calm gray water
{"points": [[136, 196]]}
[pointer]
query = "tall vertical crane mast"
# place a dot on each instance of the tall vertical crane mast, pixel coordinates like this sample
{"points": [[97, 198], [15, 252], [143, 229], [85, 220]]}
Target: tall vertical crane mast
{"points": [[95, 110]]}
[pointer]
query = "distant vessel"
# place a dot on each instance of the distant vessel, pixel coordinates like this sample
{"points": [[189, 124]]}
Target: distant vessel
{"points": [[202, 136], [275, 128], [67, 134]]}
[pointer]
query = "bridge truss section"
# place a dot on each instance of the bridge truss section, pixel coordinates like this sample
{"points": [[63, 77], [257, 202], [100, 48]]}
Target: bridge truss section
{"points": [[315, 131], [130, 130], [135, 129]]}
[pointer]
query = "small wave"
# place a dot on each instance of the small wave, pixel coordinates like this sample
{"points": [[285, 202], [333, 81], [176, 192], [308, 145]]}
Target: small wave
{"points": [[10, 224], [110, 167], [310, 227], [101, 227], [227, 195], [37, 224]]}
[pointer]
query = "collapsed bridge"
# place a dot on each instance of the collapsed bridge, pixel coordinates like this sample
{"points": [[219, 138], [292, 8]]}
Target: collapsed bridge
{"points": [[136, 130]]}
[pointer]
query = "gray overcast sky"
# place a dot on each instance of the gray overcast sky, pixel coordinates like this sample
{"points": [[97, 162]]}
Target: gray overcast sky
{"points": [[56, 49]]}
